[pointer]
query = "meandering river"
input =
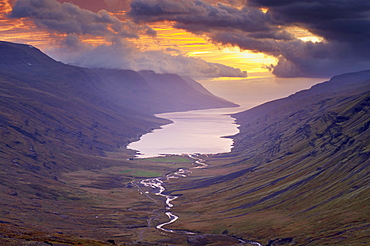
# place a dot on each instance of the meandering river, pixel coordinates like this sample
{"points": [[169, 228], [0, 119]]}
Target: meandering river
{"points": [[192, 132], [197, 131], [157, 186]]}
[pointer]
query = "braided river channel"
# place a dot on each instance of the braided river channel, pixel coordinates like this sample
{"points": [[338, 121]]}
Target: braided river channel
{"points": [[191, 133]]}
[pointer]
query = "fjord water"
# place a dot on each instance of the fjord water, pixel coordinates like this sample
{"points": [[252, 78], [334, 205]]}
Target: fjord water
{"points": [[197, 131]]}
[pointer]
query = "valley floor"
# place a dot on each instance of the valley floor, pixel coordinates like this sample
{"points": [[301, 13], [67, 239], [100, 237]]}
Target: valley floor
{"points": [[105, 206]]}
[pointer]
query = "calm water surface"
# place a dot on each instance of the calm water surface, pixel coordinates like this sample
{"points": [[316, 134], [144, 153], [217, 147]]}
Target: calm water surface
{"points": [[198, 131]]}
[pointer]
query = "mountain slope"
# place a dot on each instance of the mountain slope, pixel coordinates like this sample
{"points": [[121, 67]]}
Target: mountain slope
{"points": [[148, 92], [57, 119], [60, 100], [46, 102], [299, 170], [52, 121], [137, 91], [181, 93]]}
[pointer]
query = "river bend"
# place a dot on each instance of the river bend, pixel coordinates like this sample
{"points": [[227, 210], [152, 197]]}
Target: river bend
{"points": [[157, 185]]}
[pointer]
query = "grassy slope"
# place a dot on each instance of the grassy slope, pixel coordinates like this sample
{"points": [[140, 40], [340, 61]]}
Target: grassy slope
{"points": [[62, 177], [53, 123], [86, 206], [300, 169]]}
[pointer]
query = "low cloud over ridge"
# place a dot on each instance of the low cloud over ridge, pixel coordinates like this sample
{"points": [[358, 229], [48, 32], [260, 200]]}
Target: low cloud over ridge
{"points": [[123, 55], [68, 24]]}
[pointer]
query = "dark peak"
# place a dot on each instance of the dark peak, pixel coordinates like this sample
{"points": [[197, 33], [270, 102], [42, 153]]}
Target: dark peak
{"points": [[352, 77], [16, 57], [16, 50], [17, 45], [147, 72]]}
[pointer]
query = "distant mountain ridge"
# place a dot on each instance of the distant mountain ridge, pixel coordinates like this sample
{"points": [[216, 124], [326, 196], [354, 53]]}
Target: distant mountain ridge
{"points": [[139, 91], [86, 110], [149, 92]]}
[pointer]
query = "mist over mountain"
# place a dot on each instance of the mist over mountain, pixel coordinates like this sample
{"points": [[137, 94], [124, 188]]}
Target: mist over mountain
{"points": [[149, 92]]}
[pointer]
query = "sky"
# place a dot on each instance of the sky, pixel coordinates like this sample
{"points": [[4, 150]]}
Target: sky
{"points": [[241, 45]]}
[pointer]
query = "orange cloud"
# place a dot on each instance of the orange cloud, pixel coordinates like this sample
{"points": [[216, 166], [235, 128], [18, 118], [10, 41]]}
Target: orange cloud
{"points": [[20, 30], [177, 41], [48, 36]]}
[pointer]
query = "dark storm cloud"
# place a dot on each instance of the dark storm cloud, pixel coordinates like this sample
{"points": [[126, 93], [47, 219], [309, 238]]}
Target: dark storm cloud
{"points": [[340, 20], [202, 17], [298, 58], [344, 25], [68, 18], [75, 22]]}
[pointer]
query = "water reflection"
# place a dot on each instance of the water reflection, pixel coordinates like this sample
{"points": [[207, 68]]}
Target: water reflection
{"points": [[198, 131]]}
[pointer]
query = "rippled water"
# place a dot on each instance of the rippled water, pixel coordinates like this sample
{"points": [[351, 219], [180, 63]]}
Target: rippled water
{"points": [[198, 131]]}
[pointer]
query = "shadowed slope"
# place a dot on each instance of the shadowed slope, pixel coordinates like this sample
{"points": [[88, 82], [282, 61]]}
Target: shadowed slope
{"points": [[148, 92], [299, 169], [57, 119]]}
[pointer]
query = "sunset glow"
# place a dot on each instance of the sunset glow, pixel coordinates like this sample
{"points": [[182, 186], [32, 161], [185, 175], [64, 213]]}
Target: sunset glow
{"points": [[176, 41], [227, 38], [304, 35], [168, 39], [20, 30]]}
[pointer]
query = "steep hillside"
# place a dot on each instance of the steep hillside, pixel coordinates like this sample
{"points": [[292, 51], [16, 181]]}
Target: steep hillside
{"points": [[299, 171], [148, 92], [56, 119], [145, 91], [176, 92], [53, 121], [92, 110], [48, 104]]}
